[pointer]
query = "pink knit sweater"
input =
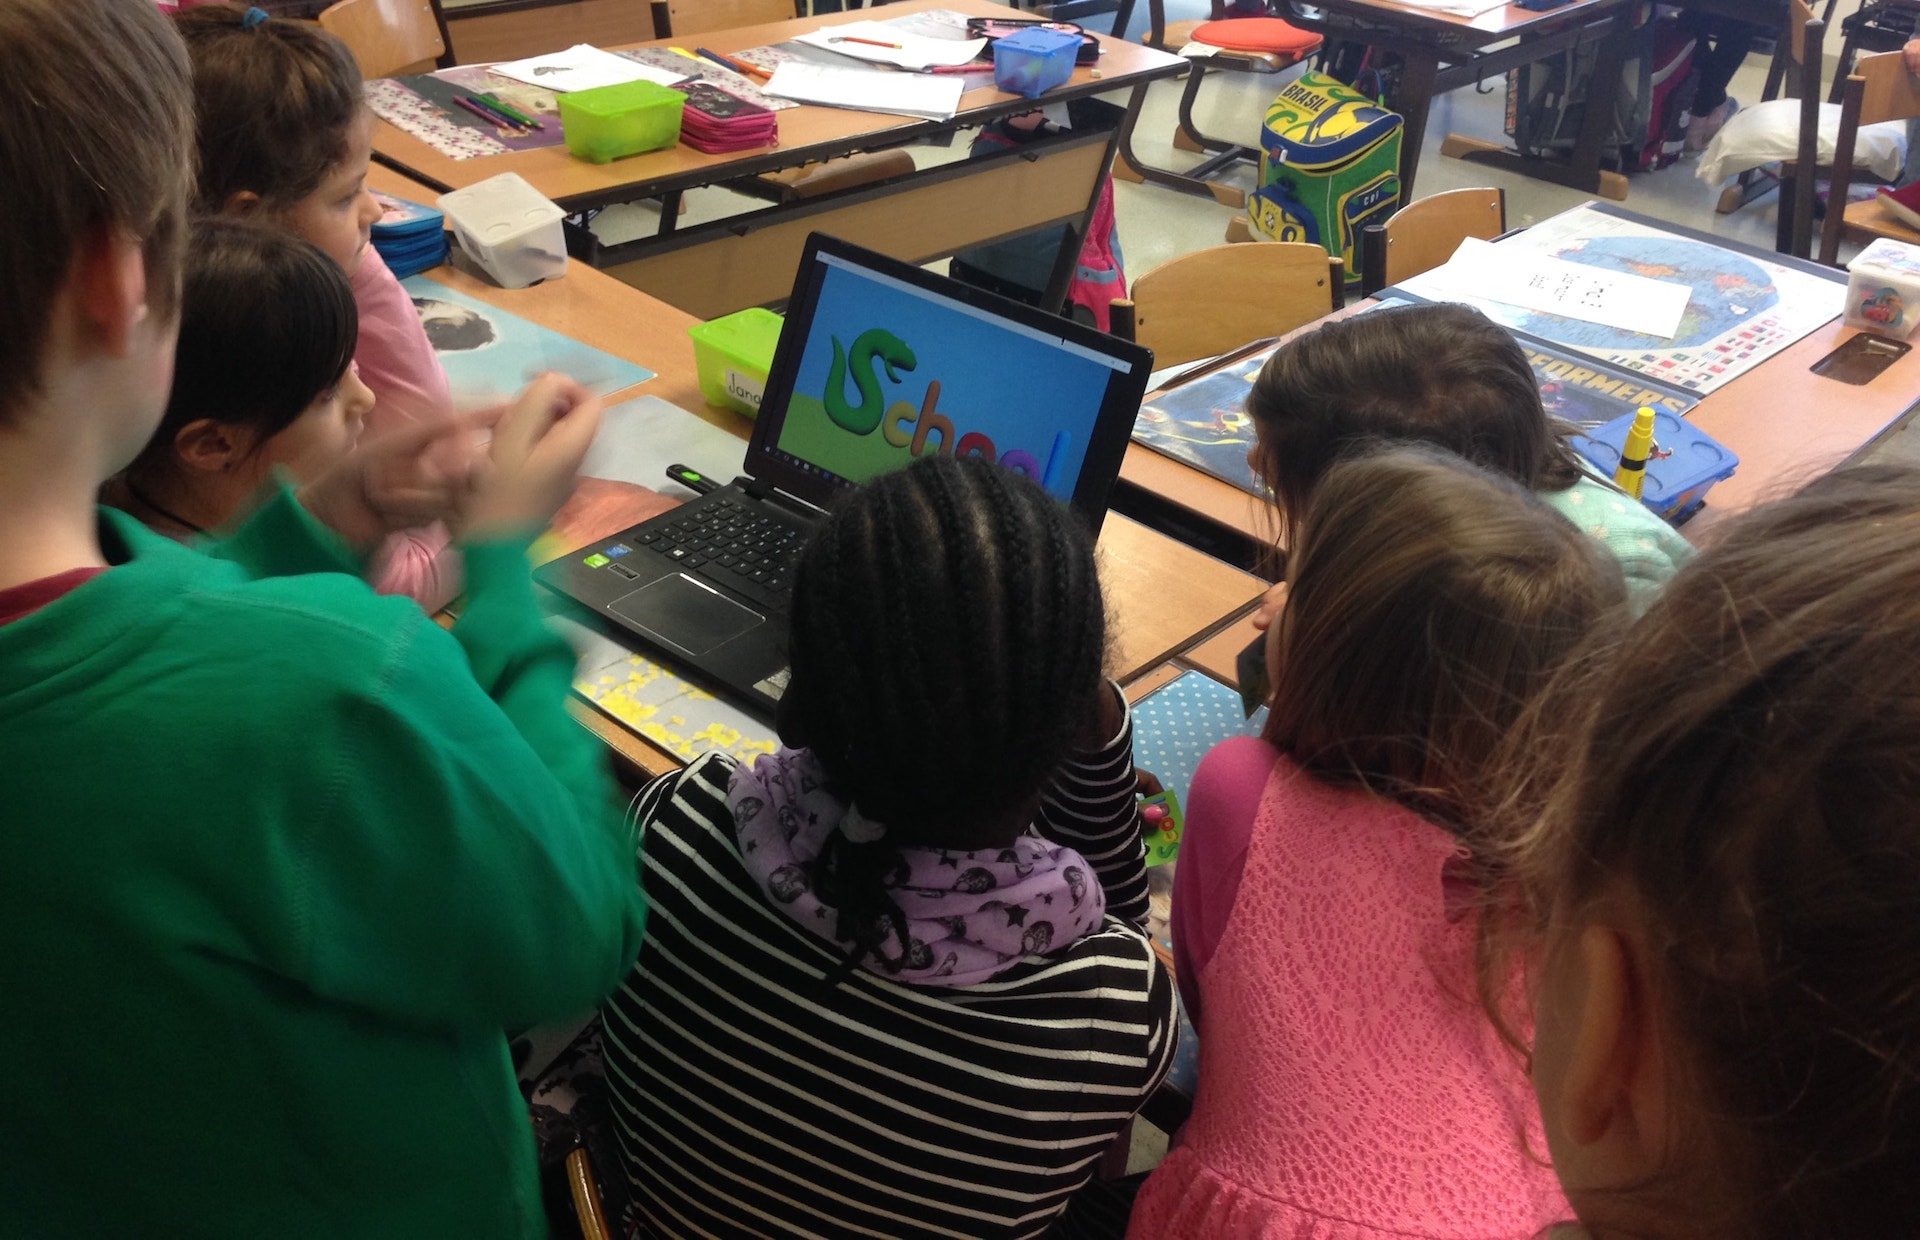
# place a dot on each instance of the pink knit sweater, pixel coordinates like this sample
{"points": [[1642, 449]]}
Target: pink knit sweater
{"points": [[1350, 1086], [397, 361]]}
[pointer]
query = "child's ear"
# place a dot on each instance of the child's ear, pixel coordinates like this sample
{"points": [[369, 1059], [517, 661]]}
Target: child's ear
{"points": [[110, 277], [1615, 1091], [241, 202], [211, 447]]}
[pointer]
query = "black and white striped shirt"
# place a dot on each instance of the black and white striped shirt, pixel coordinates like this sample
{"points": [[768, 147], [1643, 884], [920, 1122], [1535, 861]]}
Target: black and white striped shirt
{"points": [[752, 1097]]}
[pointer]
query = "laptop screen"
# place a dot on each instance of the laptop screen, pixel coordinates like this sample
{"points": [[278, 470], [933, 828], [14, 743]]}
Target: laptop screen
{"points": [[881, 362]]}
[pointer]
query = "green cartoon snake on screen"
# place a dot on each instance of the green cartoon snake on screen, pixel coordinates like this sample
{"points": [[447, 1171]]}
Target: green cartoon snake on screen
{"points": [[921, 429]]}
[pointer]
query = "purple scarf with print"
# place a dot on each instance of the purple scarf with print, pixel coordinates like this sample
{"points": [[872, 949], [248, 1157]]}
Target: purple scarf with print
{"points": [[970, 915]]}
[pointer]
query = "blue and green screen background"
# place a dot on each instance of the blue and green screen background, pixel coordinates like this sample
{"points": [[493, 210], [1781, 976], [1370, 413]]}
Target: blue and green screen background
{"points": [[1022, 392]]}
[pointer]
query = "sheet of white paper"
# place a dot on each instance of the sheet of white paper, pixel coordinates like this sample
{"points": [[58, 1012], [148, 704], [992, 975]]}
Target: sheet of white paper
{"points": [[583, 67], [639, 438], [1618, 299], [870, 90], [899, 47]]}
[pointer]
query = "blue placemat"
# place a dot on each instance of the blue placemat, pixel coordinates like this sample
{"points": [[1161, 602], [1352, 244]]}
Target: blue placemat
{"points": [[1175, 725]]}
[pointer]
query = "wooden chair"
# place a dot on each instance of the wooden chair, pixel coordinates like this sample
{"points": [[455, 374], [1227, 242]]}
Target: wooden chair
{"points": [[683, 18], [1792, 75], [1264, 45], [1207, 302], [587, 1206], [390, 37], [1879, 89], [1424, 234]]}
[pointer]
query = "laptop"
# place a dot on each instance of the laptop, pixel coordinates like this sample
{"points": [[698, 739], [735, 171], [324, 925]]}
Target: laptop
{"points": [[879, 362]]}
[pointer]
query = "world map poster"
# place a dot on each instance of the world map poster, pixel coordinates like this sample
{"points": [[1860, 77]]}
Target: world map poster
{"points": [[1744, 307]]}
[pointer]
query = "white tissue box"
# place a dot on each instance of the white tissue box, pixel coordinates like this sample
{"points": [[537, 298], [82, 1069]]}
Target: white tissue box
{"points": [[505, 225], [1883, 289]]}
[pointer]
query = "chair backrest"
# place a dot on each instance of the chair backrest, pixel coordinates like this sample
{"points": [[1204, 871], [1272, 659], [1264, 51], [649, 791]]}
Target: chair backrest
{"points": [[1879, 89], [1424, 234], [1213, 300], [387, 37], [1799, 13], [683, 18]]}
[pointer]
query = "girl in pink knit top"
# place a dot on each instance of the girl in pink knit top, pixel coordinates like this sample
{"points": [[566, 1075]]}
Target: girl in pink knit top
{"points": [[1351, 1086]]}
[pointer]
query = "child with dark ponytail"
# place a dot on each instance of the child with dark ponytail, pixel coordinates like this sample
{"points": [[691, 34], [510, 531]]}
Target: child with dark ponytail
{"points": [[895, 982]]}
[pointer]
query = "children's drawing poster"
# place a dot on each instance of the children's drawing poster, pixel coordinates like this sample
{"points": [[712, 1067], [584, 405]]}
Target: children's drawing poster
{"points": [[1205, 423], [489, 354], [1742, 310]]}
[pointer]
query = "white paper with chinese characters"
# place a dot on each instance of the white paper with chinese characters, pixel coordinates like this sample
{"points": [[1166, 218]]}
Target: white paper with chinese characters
{"points": [[1481, 270]]}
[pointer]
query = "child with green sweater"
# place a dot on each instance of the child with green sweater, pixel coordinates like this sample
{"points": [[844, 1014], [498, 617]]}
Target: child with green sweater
{"points": [[283, 858]]}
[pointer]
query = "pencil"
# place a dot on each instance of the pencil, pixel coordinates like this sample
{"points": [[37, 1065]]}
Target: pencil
{"points": [[738, 66], [854, 38]]}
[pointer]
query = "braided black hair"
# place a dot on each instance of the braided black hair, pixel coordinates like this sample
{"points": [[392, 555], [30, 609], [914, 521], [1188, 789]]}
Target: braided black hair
{"points": [[948, 642]]}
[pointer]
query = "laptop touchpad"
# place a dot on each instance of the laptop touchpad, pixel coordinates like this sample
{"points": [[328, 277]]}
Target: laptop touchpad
{"points": [[686, 614]]}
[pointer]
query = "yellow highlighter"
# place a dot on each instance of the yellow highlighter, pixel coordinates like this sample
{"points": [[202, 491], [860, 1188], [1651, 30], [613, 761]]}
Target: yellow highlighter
{"points": [[1631, 476]]}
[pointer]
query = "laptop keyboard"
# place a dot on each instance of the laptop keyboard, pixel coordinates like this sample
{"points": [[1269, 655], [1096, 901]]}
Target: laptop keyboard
{"points": [[736, 544]]}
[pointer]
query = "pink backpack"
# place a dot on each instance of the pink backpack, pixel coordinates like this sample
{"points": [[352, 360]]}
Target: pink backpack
{"points": [[1100, 278]]}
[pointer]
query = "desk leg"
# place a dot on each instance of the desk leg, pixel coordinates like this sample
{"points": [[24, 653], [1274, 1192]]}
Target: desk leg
{"points": [[1603, 99], [1581, 170], [1412, 100]]}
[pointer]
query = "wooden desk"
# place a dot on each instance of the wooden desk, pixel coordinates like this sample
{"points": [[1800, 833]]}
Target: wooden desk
{"points": [[1787, 424], [749, 258], [1443, 52], [1162, 596]]}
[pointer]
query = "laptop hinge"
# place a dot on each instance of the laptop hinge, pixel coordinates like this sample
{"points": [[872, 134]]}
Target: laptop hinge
{"points": [[766, 491]]}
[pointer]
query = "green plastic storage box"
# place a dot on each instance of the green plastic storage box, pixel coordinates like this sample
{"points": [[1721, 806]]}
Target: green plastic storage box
{"points": [[613, 122], [734, 353]]}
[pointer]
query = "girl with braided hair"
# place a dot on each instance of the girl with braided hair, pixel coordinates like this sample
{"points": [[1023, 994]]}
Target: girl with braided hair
{"points": [[896, 982]]}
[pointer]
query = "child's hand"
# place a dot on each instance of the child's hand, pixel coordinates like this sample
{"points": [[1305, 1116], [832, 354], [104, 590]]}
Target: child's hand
{"points": [[1911, 55], [410, 477], [538, 444]]}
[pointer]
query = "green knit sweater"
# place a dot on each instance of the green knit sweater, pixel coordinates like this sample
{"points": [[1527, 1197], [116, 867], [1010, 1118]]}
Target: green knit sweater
{"points": [[282, 859]]}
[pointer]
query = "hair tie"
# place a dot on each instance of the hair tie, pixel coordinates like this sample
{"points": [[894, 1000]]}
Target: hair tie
{"points": [[860, 829], [254, 18]]}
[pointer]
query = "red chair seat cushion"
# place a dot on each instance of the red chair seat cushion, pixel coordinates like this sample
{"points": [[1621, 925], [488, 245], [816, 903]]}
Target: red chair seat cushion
{"points": [[1258, 34]]}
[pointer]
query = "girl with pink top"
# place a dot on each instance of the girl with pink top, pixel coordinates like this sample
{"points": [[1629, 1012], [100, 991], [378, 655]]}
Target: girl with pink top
{"points": [[285, 136], [1351, 1085]]}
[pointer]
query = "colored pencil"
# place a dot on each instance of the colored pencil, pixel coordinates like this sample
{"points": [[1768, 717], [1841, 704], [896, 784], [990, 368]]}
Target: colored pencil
{"points": [[497, 122], [738, 66], [511, 113], [854, 38]]}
